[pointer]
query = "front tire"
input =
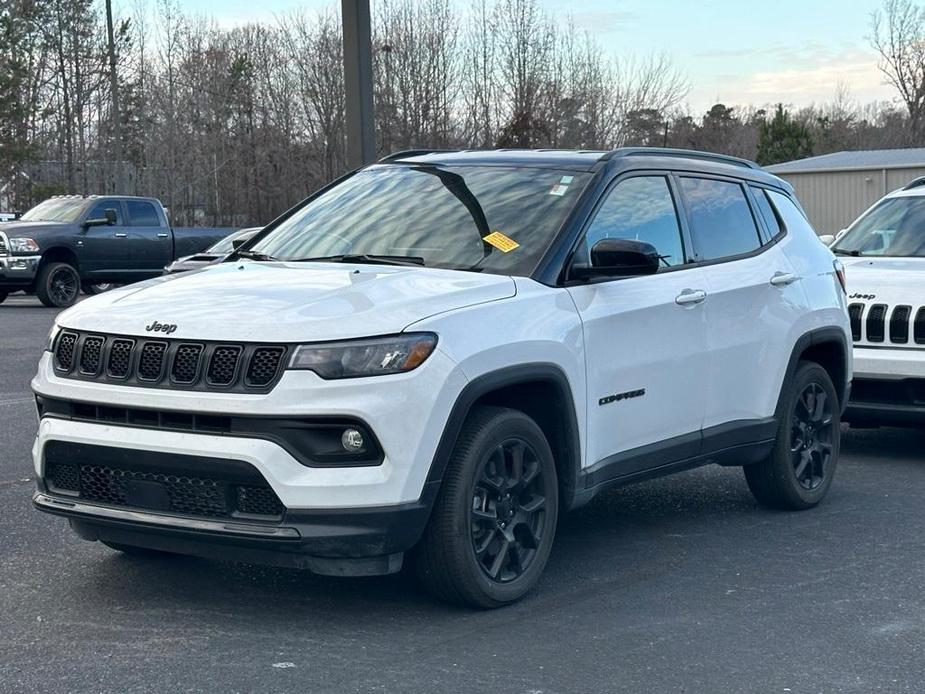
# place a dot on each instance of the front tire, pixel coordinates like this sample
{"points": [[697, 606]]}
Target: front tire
{"points": [[493, 524], [58, 285], [798, 473]]}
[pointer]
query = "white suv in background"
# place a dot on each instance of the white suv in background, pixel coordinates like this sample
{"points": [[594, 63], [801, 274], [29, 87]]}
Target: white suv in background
{"points": [[884, 252], [437, 354]]}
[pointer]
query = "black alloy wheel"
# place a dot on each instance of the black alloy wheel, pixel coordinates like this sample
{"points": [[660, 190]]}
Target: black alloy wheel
{"points": [[491, 530], [508, 515], [58, 285], [812, 431], [799, 470]]}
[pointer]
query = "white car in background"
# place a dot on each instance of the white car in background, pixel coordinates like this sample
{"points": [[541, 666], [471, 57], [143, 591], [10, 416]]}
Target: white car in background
{"points": [[884, 255]]}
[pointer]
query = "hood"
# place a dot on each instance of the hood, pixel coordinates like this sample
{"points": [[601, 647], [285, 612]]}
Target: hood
{"points": [[30, 229], [285, 302], [885, 280]]}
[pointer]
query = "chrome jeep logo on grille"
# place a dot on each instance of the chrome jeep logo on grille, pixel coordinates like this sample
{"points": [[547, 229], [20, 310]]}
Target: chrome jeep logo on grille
{"points": [[156, 327], [868, 297]]}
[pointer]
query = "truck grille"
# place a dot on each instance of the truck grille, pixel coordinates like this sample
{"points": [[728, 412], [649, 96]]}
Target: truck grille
{"points": [[881, 324], [169, 363]]}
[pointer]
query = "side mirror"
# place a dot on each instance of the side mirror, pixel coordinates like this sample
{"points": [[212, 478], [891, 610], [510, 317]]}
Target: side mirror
{"points": [[827, 239], [108, 220], [618, 258], [237, 243], [17, 215]]}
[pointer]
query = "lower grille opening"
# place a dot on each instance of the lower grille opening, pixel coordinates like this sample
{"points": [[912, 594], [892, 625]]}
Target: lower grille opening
{"points": [[165, 491]]}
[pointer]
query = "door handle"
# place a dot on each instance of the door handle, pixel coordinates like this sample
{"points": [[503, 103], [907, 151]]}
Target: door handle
{"points": [[162, 236], [689, 297], [782, 279], [121, 236]]}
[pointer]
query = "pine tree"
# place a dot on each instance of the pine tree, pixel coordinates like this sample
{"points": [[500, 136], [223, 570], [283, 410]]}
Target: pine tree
{"points": [[783, 138]]}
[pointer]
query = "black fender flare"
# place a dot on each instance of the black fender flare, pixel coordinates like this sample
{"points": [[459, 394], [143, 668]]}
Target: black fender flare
{"points": [[569, 466], [806, 341]]}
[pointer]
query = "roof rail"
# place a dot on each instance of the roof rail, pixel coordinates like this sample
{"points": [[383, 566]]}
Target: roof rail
{"points": [[682, 153], [406, 153], [915, 183]]}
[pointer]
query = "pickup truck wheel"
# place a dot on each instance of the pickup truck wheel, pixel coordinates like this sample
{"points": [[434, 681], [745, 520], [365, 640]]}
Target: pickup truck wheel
{"points": [[94, 288], [133, 551], [798, 473], [494, 521], [58, 285]]}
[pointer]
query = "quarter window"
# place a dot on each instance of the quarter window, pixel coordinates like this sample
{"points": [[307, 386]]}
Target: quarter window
{"points": [[142, 214], [721, 220], [641, 209], [767, 211]]}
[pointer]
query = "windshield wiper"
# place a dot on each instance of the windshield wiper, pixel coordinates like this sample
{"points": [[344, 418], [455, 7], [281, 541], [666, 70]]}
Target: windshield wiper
{"points": [[840, 251], [367, 258], [256, 255]]}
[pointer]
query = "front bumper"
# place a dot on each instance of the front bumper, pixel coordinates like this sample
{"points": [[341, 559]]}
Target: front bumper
{"points": [[888, 388], [348, 542], [19, 269]]}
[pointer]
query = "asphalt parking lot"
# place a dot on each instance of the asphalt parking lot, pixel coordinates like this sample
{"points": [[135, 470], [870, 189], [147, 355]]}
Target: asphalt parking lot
{"points": [[678, 585]]}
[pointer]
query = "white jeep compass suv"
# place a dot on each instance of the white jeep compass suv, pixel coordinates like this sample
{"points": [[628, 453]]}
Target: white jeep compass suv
{"points": [[433, 357], [884, 251]]}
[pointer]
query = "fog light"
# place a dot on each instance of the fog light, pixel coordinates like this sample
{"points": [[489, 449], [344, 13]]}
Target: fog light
{"points": [[352, 441]]}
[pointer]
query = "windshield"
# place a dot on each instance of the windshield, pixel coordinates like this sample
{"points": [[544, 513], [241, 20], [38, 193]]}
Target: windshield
{"points": [[895, 227], [56, 210], [438, 214], [226, 245]]}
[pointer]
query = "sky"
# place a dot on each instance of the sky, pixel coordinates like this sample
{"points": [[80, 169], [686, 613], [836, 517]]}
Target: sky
{"points": [[738, 52]]}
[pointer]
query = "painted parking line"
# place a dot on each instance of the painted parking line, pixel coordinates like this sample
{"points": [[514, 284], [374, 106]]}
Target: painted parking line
{"points": [[16, 401]]}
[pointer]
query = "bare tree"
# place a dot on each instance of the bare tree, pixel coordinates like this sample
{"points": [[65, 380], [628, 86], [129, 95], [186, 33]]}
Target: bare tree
{"points": [[898, 35]]}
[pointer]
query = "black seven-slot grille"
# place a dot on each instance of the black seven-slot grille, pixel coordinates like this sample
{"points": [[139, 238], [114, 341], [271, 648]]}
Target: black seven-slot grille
{"points": [[164, 363], [883, 325], [175, 488]]}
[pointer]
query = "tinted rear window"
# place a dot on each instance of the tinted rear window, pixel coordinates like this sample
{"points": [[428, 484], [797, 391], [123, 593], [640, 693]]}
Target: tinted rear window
{"points": [[142, 214], [720, 219]]}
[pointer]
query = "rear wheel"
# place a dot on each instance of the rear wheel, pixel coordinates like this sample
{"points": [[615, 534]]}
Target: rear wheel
{"points": [[94, 288], [798, 473], [58, 285], [493, 524]]}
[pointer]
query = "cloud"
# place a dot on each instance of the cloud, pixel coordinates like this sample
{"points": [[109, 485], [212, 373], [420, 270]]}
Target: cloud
{"points": [[603, 21], [812, 75]]}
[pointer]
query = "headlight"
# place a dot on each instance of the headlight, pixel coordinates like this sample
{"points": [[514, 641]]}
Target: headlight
{"points": [[23, 245], [52, 336], [374, 357]]}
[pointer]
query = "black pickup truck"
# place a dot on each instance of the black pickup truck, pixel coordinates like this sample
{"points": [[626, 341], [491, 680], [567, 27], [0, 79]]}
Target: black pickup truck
{"points": [[71, 242]]}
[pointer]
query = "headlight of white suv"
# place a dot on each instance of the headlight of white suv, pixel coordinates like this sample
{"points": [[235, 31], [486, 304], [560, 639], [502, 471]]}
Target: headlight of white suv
{"points": [[23, 245], [52, 336], [378, 356]]}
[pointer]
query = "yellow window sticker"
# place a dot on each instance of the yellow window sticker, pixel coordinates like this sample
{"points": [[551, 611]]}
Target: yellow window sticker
{"points": [[503, 243]]}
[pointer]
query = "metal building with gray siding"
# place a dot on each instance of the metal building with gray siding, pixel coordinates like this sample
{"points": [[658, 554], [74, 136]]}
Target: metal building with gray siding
{"points": [[836, 188]]}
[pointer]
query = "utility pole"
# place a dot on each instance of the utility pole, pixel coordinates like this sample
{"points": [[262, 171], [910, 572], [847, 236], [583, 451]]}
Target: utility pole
{"points": [[114, 88], [358, 82]]}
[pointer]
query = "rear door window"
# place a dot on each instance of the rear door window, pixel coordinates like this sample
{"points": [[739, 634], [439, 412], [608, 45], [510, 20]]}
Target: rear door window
{"points": [[721, 221], [142, 214]]}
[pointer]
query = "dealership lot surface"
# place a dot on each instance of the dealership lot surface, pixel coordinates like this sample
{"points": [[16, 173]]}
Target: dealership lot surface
{"points": [[679, 585]]}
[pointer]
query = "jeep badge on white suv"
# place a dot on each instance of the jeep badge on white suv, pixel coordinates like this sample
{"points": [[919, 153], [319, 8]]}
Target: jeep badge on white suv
{"points": [[884, 252], [432, 358]]}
